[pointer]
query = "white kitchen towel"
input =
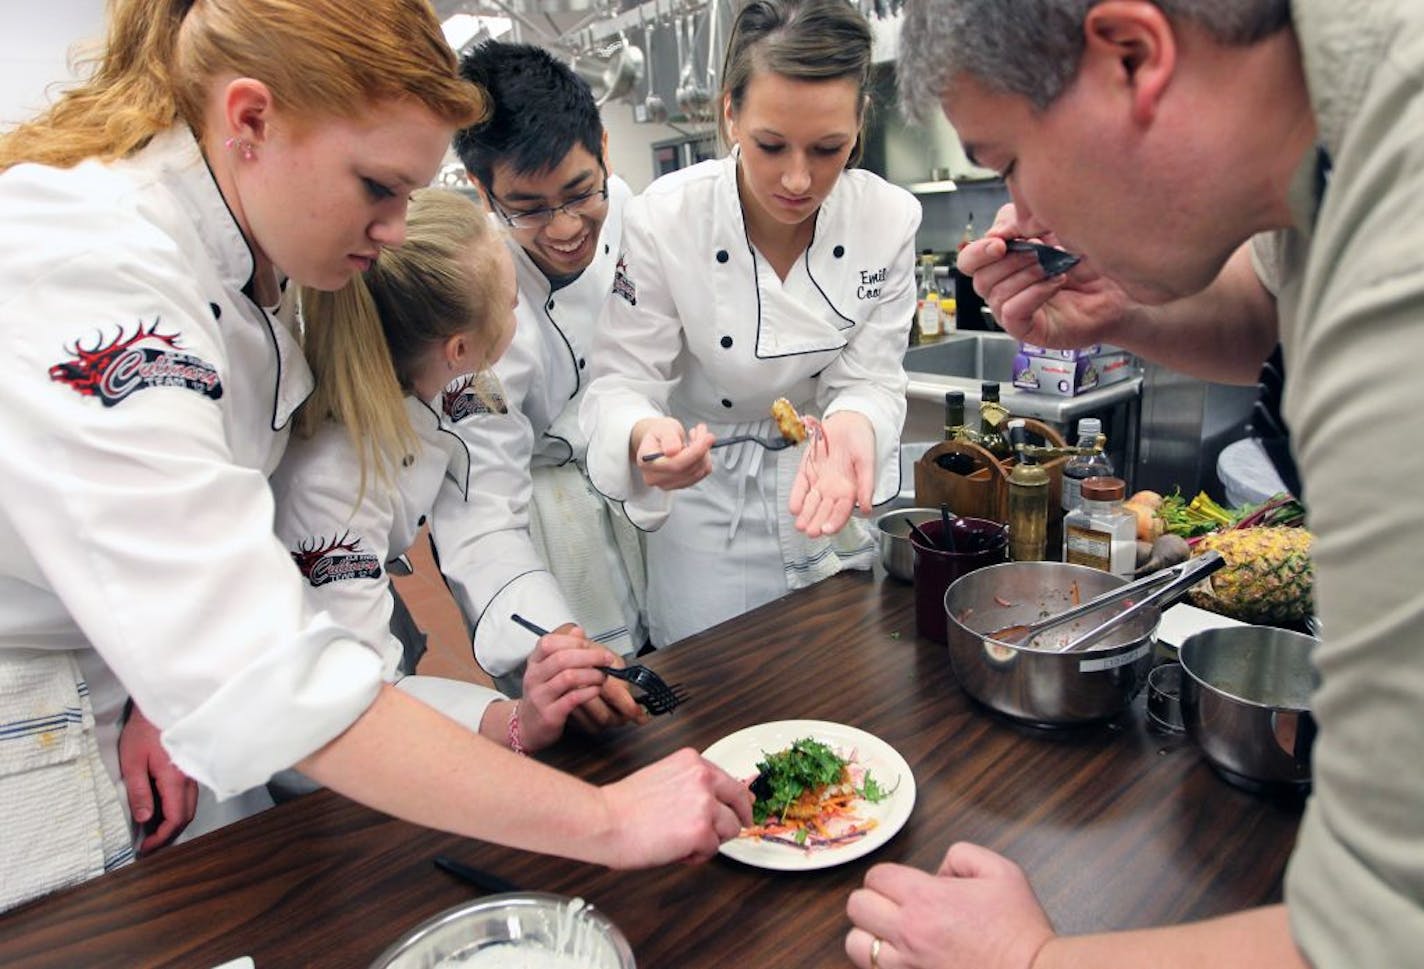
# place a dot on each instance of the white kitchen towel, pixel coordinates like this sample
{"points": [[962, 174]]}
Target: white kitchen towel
{"points": [[809, 560], [596, 557], [60, 819]]}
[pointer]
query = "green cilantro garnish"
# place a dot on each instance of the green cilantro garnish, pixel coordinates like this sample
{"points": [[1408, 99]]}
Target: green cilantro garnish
{"points": [[785, 775], [871, 790]]}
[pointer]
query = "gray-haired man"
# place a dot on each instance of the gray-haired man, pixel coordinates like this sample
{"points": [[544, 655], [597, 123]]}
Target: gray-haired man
{"points": [[1235, 174]]}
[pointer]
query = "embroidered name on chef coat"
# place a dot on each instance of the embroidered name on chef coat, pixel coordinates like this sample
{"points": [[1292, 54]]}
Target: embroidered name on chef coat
{"points": [[474, 393], [337, 560], [120, 368], [871, 281], [622, 285]]}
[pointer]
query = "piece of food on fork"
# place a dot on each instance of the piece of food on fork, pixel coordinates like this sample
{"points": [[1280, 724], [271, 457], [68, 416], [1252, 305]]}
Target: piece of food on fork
{"points": [[791, 425]]}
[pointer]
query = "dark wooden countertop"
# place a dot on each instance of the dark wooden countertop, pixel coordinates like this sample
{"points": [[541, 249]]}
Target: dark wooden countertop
{"points": [[1116, 825]]}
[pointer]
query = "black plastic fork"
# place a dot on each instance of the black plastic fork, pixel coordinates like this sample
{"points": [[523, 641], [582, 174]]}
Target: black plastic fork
{"points": [[657, 696], [770, 443]]}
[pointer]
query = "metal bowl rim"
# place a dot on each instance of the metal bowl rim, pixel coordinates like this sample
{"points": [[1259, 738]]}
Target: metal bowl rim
{"points": [[515, 899], [1227, 694], [900, 513], [1100, 651]]}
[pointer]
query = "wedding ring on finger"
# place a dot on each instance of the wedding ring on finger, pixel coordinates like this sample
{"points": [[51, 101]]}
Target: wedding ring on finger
{"points": [[875, 945]]}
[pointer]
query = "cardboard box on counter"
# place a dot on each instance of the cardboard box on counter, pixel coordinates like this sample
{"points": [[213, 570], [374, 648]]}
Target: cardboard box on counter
{"points": [[1091, 350], [1068, 378]]}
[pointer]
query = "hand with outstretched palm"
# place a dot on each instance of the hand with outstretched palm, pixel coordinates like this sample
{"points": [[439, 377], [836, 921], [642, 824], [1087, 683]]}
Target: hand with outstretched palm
{"points": [[837, 474]]}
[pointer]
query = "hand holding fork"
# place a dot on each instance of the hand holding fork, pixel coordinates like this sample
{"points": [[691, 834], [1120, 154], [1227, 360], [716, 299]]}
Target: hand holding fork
{"points": [[657, 696]]}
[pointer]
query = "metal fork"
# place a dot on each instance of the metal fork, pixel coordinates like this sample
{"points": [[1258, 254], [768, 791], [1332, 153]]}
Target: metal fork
{"points": [[770, 443], [657, 698]]}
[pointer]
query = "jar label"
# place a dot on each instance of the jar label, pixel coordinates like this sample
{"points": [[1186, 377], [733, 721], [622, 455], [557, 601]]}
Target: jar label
{"points": [[1086, 546], [929, 317]]}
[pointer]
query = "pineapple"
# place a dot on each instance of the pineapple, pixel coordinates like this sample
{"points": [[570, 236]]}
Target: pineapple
{"points": [[1267, 577]]}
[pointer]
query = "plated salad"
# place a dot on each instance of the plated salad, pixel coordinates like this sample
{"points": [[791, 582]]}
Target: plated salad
{"points": [[808, 796]]}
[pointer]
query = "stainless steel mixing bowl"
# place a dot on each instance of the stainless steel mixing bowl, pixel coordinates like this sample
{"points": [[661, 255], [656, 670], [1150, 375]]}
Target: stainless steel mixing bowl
{"points": [[897, 555], [1032, 684], [505, 929], [1246, 702]]}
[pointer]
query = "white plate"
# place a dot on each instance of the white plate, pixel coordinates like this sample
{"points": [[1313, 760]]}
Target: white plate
{"points": [[739, 753]]}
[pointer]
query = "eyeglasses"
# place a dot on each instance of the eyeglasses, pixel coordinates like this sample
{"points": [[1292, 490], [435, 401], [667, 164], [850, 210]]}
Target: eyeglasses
{"points": [[538, 218]]}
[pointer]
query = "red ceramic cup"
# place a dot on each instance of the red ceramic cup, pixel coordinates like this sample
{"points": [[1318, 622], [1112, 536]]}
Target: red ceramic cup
{"points": [[977, 542]]}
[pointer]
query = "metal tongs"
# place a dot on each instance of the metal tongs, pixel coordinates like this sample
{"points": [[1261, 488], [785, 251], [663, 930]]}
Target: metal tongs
{"points": [[1165, 586], [1181, 578]]}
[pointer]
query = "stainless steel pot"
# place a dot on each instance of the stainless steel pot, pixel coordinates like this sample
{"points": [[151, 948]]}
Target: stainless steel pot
{"points": [[897, 555], [1042, 687], [1246, 702]]}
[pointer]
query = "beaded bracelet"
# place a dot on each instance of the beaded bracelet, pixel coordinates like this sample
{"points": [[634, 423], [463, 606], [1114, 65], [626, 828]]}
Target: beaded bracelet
{"points": [[512, 735]]}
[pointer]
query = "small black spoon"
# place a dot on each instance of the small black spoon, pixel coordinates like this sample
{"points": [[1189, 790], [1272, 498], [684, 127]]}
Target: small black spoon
{"points": [[925, 540], [1053, 261], [944, 517]]}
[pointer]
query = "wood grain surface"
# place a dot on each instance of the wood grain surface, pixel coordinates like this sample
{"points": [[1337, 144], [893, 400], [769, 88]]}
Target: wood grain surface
{"points": [[1118, 826]]}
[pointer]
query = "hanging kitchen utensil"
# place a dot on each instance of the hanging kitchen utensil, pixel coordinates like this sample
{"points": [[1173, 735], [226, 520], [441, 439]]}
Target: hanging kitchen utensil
{"points": [[625, 70], [685, 57], [699, 98], [612, 72], [710, 112], [654, 110]]}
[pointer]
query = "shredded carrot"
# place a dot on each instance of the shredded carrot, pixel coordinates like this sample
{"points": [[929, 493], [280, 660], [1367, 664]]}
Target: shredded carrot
{"points": [[1002, 601], [1074, 593]]}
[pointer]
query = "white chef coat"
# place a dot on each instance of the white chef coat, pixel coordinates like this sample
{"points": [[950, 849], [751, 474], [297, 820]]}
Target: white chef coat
{"points": [[342, 548], [702, 329], [498, 548], [136, 515]]}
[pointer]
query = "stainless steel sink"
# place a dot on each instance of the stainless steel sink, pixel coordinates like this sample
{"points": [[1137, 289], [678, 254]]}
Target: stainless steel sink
{"points": [[973, 356]]}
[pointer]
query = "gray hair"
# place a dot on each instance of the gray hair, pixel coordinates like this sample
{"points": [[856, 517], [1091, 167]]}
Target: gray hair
{"points": [[1031, 48]]}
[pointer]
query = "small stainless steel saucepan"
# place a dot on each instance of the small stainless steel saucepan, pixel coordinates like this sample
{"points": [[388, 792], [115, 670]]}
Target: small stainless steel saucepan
{"points": [[1246, 701], [1037, 685]]}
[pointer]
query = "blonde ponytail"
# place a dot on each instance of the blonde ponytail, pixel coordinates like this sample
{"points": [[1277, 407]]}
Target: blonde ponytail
{"points": [[365, 341], [356, 382]]}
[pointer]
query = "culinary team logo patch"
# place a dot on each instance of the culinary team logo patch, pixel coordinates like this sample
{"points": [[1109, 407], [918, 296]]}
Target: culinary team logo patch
{"points": [[622, 285], [474, 393], [115, 370], [337, 560]]}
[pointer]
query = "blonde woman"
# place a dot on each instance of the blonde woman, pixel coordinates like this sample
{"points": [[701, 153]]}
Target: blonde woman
{"points": [[401, 354], [147, 223]]}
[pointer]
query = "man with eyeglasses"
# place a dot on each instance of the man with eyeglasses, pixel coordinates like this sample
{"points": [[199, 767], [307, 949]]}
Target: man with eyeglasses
{"points": [[534, 539]]}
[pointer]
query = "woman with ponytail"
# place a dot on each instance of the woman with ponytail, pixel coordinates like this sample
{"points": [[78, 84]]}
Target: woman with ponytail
{"points": [[399, 353], [220, 152]]}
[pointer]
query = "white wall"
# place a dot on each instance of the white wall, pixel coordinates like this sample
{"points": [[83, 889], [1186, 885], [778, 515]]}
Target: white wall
{"points": [[34, 50], [630, 143]]}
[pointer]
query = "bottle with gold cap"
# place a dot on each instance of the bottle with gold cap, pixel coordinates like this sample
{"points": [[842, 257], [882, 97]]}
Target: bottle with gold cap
{"points": [[992, 418]]}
